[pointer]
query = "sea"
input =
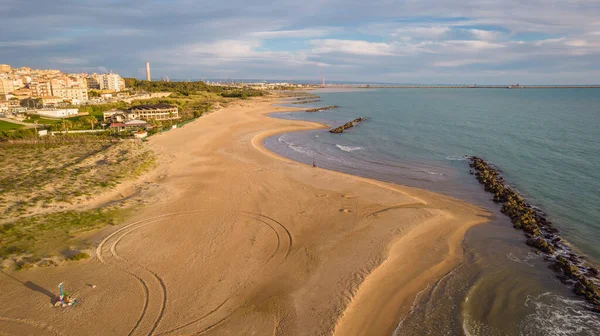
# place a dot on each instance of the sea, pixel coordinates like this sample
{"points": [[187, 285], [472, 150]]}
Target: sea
{"points": [[546, 143]]}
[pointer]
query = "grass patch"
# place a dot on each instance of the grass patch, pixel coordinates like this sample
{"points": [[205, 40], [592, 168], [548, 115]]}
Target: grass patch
{"points": [[79, 256], [41, 121], [46, 175], [8, 126], [45, 235]]}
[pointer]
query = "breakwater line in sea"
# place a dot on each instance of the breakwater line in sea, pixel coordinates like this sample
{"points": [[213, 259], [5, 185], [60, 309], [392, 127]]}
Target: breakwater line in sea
{"points": [[541, 234], [306, 101], [325, 108], [340, 129]]}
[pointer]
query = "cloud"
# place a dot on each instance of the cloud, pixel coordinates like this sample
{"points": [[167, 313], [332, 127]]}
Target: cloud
{"points": [[473, 45], [437, 40], [355, 47], [300, 33], [486, 35], [459, 62], [433, 32], [33, 43]]}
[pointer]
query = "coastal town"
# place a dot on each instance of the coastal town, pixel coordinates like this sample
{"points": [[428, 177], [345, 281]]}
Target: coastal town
{"points": [[50, 101]]}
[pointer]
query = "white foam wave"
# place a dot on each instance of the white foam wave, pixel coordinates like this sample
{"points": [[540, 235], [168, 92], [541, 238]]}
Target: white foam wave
{"points": [[348, 148], [530, 256], [456, 158], [559, 316], [302, 150]]}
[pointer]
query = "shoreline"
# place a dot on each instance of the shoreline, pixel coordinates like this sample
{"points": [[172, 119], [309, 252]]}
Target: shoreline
{"points": [[356, 323], [294, 249]]}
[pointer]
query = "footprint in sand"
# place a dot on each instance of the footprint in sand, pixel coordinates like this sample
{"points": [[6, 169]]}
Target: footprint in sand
{"points": [[321, 195], [345, 210], [348, 196]]}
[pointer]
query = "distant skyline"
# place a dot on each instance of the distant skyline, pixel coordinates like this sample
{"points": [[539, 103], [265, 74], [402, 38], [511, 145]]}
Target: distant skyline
{"points": [[426, 42]]}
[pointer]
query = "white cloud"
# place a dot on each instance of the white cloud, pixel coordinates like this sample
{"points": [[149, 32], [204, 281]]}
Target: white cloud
{"points": [[33, 43], [471, 45], [485, 35], [457, 62], [355, 47], [433, 32], [549, 41], [577, 43], [300, 33], [227, 48]]}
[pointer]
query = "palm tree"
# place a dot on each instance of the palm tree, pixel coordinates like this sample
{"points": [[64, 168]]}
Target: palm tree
{"points": [[89, 119], [67, 124]]}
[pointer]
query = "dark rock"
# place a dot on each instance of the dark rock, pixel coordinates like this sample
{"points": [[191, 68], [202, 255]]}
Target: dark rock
{"points": [[579, 289], [347, 125], [318, 109], [540, 244]]}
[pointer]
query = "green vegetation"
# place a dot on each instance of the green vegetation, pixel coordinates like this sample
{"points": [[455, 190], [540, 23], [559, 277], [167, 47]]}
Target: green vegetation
{"points": [[23, 133], [96, 110], [190, 88], [42, 236], [36, 119], [42, 183], [48, 175], [7, 126], [79, 256]]}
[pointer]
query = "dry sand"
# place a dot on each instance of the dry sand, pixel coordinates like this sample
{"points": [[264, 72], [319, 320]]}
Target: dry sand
{"points": [[244, 242]]}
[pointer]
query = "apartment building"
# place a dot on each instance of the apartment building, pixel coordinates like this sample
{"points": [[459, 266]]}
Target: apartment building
{"points": [[71, 93]]}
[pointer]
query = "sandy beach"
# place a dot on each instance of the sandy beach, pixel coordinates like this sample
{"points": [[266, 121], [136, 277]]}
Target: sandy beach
{"points": [[240, 241]]}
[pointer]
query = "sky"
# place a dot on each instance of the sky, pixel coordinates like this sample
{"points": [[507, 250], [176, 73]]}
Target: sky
{"points": [[386, 41]]}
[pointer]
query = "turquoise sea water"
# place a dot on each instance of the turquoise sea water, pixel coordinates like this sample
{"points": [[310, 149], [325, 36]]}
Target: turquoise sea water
{"points": [[546, 143]]}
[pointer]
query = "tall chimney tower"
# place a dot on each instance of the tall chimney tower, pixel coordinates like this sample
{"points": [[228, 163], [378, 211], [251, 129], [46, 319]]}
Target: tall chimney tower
{"points": [[148, 71]]}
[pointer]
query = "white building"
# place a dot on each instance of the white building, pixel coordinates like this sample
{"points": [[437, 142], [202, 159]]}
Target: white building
{"points": [[108, 81], [71, 93], [58, 113], [6, 85]]}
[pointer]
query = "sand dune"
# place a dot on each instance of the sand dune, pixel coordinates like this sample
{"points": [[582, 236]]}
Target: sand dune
{"points": [[244, 242]]}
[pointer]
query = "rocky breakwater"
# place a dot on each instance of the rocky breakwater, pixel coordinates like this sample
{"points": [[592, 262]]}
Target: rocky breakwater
{"points": [[319, 109], [307, 101], [340, 129], [540, 233]]}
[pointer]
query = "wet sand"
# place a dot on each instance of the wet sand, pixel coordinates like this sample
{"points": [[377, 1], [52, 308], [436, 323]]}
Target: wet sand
{"points": [[242, 241]]}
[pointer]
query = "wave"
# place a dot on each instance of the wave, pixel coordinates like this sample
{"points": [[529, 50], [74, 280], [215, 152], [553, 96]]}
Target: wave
{"points": [[553, 315], [557, 315], [530, 256], [456, 158], [295, 147], [348, 148]]}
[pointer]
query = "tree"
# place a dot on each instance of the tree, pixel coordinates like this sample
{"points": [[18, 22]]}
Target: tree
{"points": [[67, 125], [89, 120]]}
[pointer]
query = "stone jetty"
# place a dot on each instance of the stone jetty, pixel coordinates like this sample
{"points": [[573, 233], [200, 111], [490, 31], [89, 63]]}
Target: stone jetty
{"points": [[340, 129], [307, 101], [540, 233], [318, 109]]}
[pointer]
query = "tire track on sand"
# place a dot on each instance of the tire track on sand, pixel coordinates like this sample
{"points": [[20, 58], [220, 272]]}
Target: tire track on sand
{"points": [[239, 297], [37, 325], [152, 284]]}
